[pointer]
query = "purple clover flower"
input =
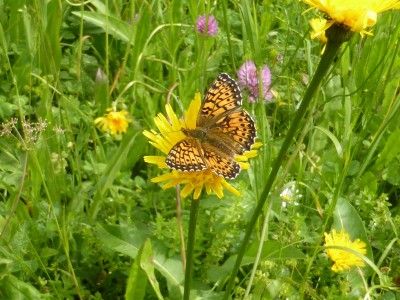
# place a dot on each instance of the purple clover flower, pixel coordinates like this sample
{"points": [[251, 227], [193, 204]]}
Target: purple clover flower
{"points": [[212, 25], [248, 78]]}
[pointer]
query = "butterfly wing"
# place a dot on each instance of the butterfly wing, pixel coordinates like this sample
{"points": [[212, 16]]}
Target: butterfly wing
{"points": [[219, 162], [236, 130], [222, 97], [186, 156], [222, 116]]}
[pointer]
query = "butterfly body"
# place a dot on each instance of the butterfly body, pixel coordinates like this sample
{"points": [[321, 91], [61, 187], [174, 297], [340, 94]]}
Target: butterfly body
{"points": [[223, 131]]}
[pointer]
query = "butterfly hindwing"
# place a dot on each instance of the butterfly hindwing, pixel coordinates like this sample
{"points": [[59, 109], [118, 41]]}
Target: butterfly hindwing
{"points": [[236, 129], [186, 156], [220, 163]]}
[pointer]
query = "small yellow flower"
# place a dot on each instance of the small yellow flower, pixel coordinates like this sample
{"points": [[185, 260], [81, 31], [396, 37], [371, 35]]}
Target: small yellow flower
{"points": [[355, 15], [114, 121], [170, 134], [344, 259]]}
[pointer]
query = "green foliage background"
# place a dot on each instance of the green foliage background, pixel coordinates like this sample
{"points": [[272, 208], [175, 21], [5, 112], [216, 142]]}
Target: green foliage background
{"points": [[79, 216]]}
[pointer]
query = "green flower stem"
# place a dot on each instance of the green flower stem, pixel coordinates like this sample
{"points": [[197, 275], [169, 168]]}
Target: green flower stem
{"points": [[190, 247], [331, 50]]}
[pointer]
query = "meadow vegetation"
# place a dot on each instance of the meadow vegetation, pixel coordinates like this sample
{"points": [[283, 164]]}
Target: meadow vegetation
{"points": [[80, 214]]}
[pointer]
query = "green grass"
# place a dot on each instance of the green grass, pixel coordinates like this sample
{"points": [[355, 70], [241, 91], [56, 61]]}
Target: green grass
{"points": [[79, 215]]}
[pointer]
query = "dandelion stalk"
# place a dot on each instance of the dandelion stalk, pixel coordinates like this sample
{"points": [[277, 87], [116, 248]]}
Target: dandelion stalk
{"points": [[336, 36], [180, 227], [190, 247]]}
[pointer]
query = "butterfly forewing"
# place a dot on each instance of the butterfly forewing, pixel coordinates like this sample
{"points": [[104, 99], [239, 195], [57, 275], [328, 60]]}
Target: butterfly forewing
{"points": [[223, 96], [186, 156]]}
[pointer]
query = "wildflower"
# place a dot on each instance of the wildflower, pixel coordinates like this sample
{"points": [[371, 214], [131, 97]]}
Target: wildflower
{"points": [[8, 126], [29, 134], [344, 259], [58, 130], [170, 134], [289, 195], [211, 28], [114, 121], [248, 78], [355, 15]]}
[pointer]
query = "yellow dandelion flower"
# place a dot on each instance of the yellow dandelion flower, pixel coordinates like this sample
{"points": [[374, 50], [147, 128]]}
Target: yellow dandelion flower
{"points": [[356, 15], [344, 259], [115, 122], [171, 131]]}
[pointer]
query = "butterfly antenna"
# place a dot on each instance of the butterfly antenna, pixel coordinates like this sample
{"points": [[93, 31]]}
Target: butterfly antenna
{"points": [[170, 92], [168, 100]]}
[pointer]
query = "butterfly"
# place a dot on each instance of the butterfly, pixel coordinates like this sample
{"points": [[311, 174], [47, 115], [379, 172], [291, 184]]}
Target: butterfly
{"points": [[223, 130]]}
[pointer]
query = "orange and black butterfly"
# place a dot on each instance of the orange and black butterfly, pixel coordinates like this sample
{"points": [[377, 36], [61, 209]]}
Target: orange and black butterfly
{"points": [[223, 130]]}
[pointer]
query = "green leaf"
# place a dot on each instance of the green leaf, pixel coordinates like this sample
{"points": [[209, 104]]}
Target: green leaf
{"points": [[128, 240], [369, 181], [143, 266], [137, 281], [13, 288], [335, 141], [52, 41], [121, 239], [6, 109], [392, 173], [147, 264], [390, 151], [5, 266], [270, 290], [48, 252], [113, 26], [272, 250]]}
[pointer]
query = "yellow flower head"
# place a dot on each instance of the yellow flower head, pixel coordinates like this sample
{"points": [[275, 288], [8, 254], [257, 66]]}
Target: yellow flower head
{"points": [[344, 259], [170, 134], [355, 15], [114, 121]]}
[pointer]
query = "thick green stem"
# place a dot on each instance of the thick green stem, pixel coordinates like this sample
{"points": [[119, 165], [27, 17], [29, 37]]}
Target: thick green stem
{"points": [[323, 67], [190, 247]]}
